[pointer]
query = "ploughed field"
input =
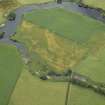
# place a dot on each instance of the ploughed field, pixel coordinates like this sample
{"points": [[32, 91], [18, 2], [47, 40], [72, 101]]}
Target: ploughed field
{"points": [[57, 39]]}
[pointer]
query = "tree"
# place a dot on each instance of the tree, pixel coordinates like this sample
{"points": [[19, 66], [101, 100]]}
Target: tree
{"points": [[59, 1], [2, 35], [12, 16]]}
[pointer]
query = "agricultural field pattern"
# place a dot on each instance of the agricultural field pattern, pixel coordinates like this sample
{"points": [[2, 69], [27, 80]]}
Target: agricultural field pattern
{"points": [[52, 52]]}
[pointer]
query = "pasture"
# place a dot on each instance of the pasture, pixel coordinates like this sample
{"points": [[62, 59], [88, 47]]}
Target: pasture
{"points": [[95, 3], [74, 26], [79, 39], [10, 69]]}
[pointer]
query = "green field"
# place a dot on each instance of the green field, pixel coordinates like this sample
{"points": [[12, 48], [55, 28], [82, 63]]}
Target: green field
{"points": [[95, 3], [32, 1], [32, 91], [70, 25], [45, 34], [56, 39], [47, 45], [10, 69], [93, 67], [40, 92]]}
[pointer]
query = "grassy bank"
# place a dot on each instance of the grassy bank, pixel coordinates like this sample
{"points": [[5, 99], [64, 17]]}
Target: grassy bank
{"points": [[6, 7], [9, 5], [95, 3], [1, 18], [33, 1], [10, 69]]}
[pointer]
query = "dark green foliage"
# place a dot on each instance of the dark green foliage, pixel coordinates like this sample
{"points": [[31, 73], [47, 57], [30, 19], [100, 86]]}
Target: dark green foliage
{"points": [[1, 34], [59, 1], [11, 16]]}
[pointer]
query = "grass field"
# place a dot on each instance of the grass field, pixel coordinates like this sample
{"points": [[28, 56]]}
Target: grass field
{"points": [[70, 25], [56, 39], [93, 67], [32, 1], [40, 92], [95, 3], [45, 36], [32, 91], [48, 46], [1, 17], [10, 69]]}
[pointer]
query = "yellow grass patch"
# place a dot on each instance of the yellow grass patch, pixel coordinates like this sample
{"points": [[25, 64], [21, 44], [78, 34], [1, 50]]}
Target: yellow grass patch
{"points": [[59, 52], [33, 1], [26, 26]]}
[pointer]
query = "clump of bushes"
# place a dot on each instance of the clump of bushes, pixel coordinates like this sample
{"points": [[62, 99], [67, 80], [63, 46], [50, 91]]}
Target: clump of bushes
{"points": [[2, 35], [11, 16]]}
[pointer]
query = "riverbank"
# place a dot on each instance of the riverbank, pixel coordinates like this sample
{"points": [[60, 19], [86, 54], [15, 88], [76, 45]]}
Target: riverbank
{"points": [[8, 6], [95, 3], [24, 2]]}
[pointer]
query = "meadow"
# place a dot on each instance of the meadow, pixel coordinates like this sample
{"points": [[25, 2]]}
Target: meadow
{"points": [[32, 1], [33, 91], [93, 67], [95, 3], [47, 45], [55, 38], [74, 26], [36, 91], [10, 69]]}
